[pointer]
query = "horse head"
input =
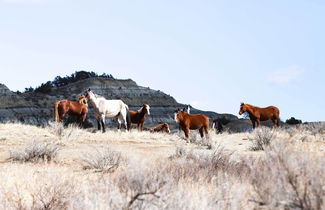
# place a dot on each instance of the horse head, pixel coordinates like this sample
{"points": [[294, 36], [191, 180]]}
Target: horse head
{"points": [[178, 115], [82, 99], [89, 94], [166, 127], [242, 109], [147, 108]]}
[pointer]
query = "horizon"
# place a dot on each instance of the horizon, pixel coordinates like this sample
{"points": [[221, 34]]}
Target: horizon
{"points": [[211, 55]]}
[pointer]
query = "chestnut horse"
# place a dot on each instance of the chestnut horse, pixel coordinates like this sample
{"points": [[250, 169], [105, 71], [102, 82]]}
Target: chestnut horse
{"points": [[75, 108], [257, 114], [189, 122], [138, 117], [164, 128]]}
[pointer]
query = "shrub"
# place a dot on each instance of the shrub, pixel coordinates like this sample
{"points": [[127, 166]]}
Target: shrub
{"points": [[141, 187], [42, 190], [293, 121], [103, 160], [262, 138], [38, 151], [289, 179]]}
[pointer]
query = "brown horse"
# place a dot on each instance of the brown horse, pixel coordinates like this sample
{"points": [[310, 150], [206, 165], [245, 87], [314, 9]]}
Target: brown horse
{"points": [[75, 108], [257, 114], [138, 117], [164, 128], [189, 122]]}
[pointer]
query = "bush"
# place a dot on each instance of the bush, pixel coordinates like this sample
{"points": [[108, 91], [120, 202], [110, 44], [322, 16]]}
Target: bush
{"points": [[42, 190], [286, 179], [293, 121], [262, 138], [103, 160], [38, 151]]}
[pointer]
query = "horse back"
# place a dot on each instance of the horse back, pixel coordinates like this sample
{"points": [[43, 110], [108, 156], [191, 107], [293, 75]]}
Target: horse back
{"points": [[198, 121], [134, 116], [76, 108], [269, 112]]}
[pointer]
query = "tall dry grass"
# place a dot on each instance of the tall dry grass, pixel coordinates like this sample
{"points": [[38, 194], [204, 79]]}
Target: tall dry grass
{"points": [[159, 171]]}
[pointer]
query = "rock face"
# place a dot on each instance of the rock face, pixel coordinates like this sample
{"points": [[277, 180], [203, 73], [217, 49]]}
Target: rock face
{"points": [[37, 108]]}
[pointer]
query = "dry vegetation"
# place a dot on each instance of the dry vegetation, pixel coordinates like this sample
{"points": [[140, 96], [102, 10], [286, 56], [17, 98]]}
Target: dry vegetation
{"points": [[71, 168]]}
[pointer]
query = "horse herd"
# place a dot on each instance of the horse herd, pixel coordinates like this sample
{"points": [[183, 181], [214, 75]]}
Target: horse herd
{"points": [[118, 110]]}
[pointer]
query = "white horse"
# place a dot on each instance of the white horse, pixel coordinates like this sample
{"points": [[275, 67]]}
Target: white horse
{"points": [[104, 108]]}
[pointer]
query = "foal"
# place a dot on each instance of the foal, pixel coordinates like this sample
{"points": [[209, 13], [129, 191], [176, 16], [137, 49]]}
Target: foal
{"points": [[138, 117], [189, 122], [164, 128]]}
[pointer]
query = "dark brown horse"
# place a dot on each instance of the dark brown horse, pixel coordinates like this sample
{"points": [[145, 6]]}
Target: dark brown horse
{"points": [[257, 114], [138, 117], [189, 122], [74, 108], [164, 128]]}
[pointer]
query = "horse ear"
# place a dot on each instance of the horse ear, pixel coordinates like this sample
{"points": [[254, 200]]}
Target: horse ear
{"points": [[89, 89], [242, 103]]}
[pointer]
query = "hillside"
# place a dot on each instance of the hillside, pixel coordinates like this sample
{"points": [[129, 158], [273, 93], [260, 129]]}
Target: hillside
{"points": [[36, 106]]}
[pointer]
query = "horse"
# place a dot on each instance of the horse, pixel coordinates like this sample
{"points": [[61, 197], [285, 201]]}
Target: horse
{"points": [[164, 128], [104, 108], [189, 122], [187, 109], [217, 125], [138, 117], [74, 108], [257, 114]]}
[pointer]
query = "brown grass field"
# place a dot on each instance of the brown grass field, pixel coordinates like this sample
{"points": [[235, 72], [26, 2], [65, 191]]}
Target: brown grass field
{"points": [[72, 168]]}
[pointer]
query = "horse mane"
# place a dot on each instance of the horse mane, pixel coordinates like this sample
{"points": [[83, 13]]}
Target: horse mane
{"points": [[140, 110], [98, 96], [252, 106]]}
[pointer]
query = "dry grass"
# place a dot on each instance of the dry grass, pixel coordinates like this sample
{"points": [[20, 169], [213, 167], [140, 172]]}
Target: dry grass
{"points": [[262, 138], [103, 160], [161, 171], [38, 151]]}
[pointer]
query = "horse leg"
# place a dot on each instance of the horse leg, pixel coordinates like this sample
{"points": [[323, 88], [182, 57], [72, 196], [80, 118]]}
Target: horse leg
{"points": [[118, 124], [278, 122], [61, 117], [187, 132], [98, 122], [141, 126], [258, 122], [201, 132], [79, 123], [102, 120], [123, 115], [83, 118], [274, 122], [206, 130], [253, 122]]}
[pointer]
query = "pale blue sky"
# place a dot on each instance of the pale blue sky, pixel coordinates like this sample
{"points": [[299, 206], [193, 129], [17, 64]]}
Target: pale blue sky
{"points": [[211, 54]]}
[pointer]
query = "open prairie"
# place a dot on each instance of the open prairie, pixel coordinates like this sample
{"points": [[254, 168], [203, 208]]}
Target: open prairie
{"points": [[71, 168]]}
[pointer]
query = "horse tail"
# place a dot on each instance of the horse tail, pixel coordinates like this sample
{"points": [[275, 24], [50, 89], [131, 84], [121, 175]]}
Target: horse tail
{"points": [[278, 118], [128, 117], [56, 112]]}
